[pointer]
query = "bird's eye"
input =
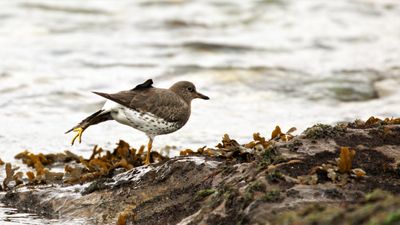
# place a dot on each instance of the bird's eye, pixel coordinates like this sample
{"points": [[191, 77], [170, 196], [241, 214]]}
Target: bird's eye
{"points": [[190, 89]]}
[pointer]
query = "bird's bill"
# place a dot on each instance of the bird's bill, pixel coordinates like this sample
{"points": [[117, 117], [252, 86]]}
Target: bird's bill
{"points": [[199, 95]]}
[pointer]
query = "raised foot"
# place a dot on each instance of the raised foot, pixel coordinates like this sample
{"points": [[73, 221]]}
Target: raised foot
{"points": [[79, 132]]}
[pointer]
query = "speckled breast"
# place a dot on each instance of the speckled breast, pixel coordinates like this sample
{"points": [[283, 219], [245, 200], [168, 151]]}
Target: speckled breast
{"points": [[146, 122]]}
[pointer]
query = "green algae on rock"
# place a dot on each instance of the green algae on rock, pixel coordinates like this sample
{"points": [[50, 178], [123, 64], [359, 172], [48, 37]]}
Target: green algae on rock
{"points": [[320, 131]]}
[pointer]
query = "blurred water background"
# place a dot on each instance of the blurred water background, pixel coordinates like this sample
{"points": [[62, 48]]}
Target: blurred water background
{"points": [[263, 63]]}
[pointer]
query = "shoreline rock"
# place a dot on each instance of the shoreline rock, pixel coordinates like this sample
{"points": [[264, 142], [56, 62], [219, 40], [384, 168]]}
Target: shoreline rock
{"points": [[285, 180]]}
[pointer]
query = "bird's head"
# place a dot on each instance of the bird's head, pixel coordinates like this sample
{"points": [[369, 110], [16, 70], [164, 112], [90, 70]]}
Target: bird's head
{"points": [[187, 91]]}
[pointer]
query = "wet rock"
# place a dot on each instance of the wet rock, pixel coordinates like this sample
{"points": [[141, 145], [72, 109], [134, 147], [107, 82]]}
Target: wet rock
{"points": [[319, 177], [144, 193], [97, 185]]}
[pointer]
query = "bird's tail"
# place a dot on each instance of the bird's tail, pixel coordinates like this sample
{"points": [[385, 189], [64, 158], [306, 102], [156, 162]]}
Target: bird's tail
{"points": [[95, 118]]}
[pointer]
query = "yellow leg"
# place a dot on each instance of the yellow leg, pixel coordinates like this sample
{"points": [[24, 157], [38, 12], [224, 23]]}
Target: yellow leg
{"points": [[149, 146], [79, 132]]}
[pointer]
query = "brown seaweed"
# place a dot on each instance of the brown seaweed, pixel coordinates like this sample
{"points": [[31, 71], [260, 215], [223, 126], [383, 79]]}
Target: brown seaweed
{"points": [[11, 176], [346, 158], [374, 122]]}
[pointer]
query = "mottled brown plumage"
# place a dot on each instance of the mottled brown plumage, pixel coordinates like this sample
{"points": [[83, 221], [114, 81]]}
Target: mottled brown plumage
{"points": [[154, 111], [162, 103]]}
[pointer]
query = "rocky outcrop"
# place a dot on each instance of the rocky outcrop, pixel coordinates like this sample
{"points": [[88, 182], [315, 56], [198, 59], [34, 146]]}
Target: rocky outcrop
{"points": [[323, 176]]}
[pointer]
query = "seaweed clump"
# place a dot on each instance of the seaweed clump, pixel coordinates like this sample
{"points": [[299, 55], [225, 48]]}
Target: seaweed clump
{"points": [[101, 164], [340, 172], [30, 159], [230, 149], [373, 122], [43, 175], [12, 176]]}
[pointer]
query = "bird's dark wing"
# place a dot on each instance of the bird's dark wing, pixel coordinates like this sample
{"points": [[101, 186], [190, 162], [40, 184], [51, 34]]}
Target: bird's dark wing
{"points": [[124, 97], [160, 102], [147, 84]]}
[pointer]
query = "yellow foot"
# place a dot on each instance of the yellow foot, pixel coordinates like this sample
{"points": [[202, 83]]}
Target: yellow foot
{"points": [[79, 132]]}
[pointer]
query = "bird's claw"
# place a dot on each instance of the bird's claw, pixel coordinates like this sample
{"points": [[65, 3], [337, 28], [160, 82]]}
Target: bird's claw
{"points": [[79, 132]]}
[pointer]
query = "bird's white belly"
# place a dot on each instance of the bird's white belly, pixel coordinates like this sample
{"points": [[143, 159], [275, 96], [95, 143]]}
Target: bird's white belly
{"points": [[146, 122]]}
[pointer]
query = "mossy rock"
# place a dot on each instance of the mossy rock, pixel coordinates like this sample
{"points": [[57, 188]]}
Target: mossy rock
{"points": [[321, 131]]}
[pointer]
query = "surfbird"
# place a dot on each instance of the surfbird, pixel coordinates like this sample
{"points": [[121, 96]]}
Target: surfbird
{"points": [[154, 111]]}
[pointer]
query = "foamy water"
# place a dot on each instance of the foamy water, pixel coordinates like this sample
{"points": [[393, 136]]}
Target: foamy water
{"points": [[263, 63]]}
